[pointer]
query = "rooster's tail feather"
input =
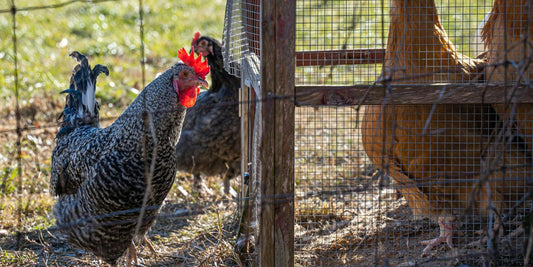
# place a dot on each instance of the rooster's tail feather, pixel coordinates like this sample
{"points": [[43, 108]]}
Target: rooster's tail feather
{"points": [[81, 107]]}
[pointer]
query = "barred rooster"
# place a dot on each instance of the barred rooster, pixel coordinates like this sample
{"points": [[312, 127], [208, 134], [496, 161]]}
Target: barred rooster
{"points": [[106, 179], [210, 142]]}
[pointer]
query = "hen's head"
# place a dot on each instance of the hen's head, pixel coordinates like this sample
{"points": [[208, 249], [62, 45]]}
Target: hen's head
{"points": [[204, 45], [189, 76]]}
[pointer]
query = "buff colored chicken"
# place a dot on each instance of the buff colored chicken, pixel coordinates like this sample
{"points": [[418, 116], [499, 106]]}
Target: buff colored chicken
{"points": [[504, 35], [434, 154]]}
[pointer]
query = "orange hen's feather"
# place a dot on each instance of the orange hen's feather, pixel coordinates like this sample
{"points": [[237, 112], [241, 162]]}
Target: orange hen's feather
{"points": [[430, 150], [507, 35], [200, 67]]}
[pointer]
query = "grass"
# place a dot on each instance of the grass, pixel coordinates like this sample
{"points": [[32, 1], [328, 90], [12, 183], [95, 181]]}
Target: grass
{"points": [[109, 34]]}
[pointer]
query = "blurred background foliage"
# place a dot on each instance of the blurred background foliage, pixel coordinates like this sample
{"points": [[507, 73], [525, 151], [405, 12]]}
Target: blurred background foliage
{"points": [[108, 33]]}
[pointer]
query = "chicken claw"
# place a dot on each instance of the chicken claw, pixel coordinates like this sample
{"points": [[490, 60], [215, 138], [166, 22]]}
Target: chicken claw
{"points": [[447, 227]]}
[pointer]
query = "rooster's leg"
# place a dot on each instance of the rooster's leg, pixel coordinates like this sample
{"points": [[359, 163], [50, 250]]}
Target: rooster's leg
{"points": [[497, 232], [131, 254], [226, 184], [447, 227], [149, 245]]}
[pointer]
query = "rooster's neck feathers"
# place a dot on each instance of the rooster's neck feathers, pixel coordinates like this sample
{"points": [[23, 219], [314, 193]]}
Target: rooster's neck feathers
{"points": [[157, 102]]}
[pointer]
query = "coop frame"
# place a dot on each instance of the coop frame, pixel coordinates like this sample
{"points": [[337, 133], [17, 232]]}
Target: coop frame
{"points": [[268, 123]]}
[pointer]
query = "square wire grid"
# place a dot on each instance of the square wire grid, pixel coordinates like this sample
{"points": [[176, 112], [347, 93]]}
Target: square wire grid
{"points": [[336, 30], [241, 33], [351, 210]]}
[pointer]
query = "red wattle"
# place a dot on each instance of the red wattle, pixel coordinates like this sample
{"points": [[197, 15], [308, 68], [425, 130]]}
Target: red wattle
{"points": [[188, 97]]}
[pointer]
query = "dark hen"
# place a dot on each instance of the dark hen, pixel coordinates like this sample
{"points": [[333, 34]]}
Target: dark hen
{"points": [[105, 178], [210, 142]]}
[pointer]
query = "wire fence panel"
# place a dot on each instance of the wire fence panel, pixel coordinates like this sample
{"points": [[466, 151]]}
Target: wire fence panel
{"points": [[36, 67], [241, 33], [336, 31], [343, 36], [381, 182], [352, 210], [403, 184]]}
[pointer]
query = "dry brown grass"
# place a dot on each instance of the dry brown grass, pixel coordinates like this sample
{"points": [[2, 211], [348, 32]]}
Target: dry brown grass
{"points": [[193, 230]]}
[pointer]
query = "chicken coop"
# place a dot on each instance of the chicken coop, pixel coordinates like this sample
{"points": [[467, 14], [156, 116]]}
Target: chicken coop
{"points": [[385, 132]]}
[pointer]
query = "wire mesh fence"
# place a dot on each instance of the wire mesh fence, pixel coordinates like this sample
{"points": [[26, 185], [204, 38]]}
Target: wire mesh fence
{"points": [[241, 33], [346, 37], [351, 210], [386, 184]]}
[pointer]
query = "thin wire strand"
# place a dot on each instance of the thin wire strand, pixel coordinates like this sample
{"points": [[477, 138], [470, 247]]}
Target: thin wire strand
{"points": [[265, 199], [141, 36], [18, 118], [63, 4]]}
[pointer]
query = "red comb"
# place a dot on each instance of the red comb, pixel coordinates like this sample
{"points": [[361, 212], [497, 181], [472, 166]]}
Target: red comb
{"points": [[201, 68], [195, 38]]}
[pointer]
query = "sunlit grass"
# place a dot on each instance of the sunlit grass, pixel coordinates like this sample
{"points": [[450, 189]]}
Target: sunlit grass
{"points": [[108, 33]]}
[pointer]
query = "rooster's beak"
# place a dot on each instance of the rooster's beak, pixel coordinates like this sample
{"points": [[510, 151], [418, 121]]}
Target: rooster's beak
{"points": [[202, 82]]}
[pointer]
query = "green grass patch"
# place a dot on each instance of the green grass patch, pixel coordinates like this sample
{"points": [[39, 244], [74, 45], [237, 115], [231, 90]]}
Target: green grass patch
{"points": [[106, 32]]}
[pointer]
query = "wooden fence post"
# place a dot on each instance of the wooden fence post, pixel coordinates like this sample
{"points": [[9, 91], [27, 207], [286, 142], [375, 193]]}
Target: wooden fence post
{"points": [[276, 148]]}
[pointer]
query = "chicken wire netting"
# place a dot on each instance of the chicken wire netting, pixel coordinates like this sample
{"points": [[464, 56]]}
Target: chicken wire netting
{"points": [[341, 42], [36, 67], [372, 182], [241, 33], [351, 210]]}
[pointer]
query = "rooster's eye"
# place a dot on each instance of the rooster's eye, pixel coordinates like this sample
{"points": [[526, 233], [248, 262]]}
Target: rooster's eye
{"points": [[185, 74]]}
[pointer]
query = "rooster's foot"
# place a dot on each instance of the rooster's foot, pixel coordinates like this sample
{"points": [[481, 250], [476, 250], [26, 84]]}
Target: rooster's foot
{"points": [[498, 234]]}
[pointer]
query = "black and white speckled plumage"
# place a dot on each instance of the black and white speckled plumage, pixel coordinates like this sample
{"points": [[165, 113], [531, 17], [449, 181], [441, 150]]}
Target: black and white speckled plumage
{"points": [[100, 174], [210, 142]]}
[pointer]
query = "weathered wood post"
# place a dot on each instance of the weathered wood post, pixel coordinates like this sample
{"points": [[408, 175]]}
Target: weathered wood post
{"points": [[276, 146]]}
